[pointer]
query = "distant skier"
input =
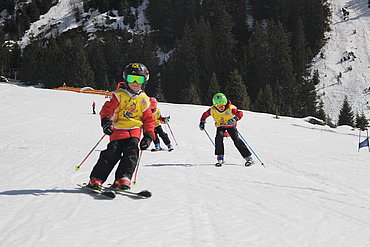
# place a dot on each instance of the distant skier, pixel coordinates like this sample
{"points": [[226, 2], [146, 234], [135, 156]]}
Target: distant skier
{"points": [[122, 118], [158, 128], [225, 115], [93, 107], [345, 13]]}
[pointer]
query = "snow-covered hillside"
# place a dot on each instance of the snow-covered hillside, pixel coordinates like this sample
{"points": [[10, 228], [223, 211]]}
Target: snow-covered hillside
{"points": [[314, 190], [61, 18], [345, 67]]}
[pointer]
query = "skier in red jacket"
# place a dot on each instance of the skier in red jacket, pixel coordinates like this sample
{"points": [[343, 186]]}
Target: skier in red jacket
{"points": [[123, 118], [225, 116], [159, 119]]}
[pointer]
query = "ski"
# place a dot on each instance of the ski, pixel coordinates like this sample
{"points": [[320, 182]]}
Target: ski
{"points": [[108, 194], [219, 164], [162, 149], [141, 194], [248, 163]]}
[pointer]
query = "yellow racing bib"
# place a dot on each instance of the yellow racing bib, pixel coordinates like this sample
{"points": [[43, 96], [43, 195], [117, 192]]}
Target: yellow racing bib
{"points": [[129, 113], [221, 118]]}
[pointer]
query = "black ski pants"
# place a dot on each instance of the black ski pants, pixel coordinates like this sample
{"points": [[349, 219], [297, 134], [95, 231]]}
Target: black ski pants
{"points": [[159, 131], [126, 151], [239, 144]]}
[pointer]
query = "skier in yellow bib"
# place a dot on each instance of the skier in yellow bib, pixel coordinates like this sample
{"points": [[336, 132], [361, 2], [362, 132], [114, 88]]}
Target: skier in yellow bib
{"points": [[225, 115]]}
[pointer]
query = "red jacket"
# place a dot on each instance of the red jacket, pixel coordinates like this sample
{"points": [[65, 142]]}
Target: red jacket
{"points": [[108, 110]]}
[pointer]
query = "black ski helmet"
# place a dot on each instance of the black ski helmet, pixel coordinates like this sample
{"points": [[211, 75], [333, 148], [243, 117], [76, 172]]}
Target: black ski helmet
{"points": [[135, 69]]}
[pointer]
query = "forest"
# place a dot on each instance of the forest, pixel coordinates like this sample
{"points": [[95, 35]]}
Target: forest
{"points": [[257, 52]]}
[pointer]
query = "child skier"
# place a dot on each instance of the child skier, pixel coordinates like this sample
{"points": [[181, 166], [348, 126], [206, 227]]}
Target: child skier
{"points": [[122, 118], [158, 128], [225, 116]]}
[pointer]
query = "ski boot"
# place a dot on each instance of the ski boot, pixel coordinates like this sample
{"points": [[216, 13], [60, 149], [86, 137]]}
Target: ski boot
{"points": [[170, 147], [122, 183], [95, 183], [157, 148], [249, 161], [220, 160]]}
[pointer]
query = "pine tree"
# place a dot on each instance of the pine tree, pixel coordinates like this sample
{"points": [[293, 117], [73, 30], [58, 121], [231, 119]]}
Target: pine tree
{"points": [[316, 21], [98, 64], [320, 113], [265, 101], [225, 44], [204, 50], [191, 95], [81, 72], [237, 91], [213, 88], [3, 57], [346, 116], [283, 75], [300, 57], [182, 69], [361, 121], [259, 61]]}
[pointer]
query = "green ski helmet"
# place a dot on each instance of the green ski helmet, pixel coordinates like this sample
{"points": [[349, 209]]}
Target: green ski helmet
{"points": [[219, 99]]}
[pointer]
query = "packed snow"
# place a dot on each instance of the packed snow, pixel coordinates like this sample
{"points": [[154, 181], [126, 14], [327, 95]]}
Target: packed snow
{"points": [[313, 190]]}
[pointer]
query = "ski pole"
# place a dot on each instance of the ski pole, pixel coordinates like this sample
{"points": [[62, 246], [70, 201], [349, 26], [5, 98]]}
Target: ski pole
{"points": [[137, 167], [168, 125], [78, 167], [209, 137], [251, 148]]}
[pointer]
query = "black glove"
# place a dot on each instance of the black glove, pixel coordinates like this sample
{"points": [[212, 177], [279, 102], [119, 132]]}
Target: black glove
{"points": [[166, 119], [145, 142], [232, 121], [107, 126], [202, 125]]}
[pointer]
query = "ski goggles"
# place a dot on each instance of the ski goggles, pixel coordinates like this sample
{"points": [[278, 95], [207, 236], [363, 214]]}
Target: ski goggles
{"points": [[139, 79], [220, 105]]}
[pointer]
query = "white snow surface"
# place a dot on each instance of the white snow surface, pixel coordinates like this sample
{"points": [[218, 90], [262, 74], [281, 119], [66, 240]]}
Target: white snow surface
{"points": [[313, 190]]}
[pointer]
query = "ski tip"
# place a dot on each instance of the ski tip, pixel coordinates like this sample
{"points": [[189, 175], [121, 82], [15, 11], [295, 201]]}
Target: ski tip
{"points": [[77, 168], [145, 193], [109, 194]]}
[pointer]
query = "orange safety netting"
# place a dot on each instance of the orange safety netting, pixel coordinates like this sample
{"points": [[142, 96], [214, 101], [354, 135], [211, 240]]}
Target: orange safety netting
{"points": [[84, 90]]}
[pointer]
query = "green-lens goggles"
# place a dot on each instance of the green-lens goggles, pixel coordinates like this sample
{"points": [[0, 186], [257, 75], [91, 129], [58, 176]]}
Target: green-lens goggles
{"points": [[135, 78]]}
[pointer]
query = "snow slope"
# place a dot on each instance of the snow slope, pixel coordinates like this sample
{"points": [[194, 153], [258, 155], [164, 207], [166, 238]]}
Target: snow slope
{"points": [[349, 78], [314, 190]]}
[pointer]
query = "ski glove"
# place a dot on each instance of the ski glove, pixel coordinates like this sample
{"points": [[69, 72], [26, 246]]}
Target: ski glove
{"points": [[145, 142], [166, 119], [202, 125], [107, 126], [232, 121]]}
